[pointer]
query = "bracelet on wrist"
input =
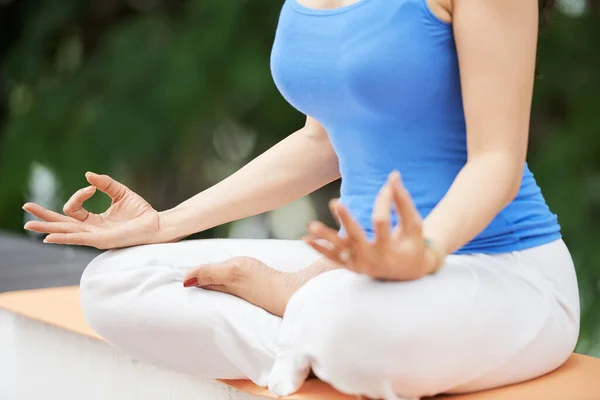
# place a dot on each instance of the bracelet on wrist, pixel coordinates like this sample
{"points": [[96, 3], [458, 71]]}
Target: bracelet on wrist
{"points": [[439, 253]]}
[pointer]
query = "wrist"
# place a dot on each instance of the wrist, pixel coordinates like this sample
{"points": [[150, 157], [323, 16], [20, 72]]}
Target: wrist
{"points": [[435, 256], [172, 225]]}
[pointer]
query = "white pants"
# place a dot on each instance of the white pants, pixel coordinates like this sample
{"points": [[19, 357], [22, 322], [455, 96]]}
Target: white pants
{"points": [[482, 321]]}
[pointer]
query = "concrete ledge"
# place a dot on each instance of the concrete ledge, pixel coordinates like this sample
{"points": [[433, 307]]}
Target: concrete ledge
{"points": [[40, 361]]}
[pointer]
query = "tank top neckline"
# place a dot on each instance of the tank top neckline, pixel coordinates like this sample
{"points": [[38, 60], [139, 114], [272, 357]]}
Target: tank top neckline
{"points": [[327, 11]]}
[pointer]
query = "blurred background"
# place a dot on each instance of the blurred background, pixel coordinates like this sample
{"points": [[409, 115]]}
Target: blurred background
{"points": [[171, 96]]}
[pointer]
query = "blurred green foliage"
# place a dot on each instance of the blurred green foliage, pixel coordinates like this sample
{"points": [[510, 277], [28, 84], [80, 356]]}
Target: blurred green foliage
{"points": [[139, 88], [565, 149], [95, 85]]}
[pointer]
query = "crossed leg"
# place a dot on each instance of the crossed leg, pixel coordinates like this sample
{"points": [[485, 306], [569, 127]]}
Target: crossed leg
{"points": [[483, 321], [135, 300]]}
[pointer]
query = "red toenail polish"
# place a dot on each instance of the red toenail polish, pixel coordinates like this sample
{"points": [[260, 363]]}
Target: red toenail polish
{"points": [[191, 282]]}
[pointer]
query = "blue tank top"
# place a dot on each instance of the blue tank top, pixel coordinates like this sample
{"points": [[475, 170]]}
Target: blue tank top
{"points": [[382, 78]]}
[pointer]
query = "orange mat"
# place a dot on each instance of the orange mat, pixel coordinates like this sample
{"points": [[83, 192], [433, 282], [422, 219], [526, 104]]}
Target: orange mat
{"points": [[578, 379]]}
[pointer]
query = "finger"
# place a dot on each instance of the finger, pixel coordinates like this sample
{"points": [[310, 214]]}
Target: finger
{"points": [[397, 233], [108, 185], [410, 220], [382, 215], [78, 239], [74, 206], [353, 266], [334, 213], [354, 231], [54, 227], [332, 253], [45, 214], [321, 231]]}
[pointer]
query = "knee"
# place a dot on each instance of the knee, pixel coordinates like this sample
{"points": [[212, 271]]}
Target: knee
{"points": [[100, 287], [324, 318], [116, 287], [336, 333], [357, 349], [344, 351], [360, 341], [357, 355]]}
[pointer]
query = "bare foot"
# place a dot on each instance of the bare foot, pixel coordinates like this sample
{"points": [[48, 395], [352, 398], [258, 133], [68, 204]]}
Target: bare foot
{"points": [[249, 279]]}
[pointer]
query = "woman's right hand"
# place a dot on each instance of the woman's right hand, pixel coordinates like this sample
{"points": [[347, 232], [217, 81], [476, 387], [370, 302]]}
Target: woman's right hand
{"points": [[129, 220]]}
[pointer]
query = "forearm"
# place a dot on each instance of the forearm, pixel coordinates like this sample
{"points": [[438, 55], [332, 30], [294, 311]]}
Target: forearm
{"points": [[483, 187], [295, 167]]}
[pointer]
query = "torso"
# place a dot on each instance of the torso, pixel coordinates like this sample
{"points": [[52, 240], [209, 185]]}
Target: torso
{"points": [[382, 77], [441, 8]]}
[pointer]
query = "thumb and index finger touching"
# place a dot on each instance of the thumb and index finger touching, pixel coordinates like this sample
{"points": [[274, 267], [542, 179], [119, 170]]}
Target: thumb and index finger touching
{"points": [[74, 206]]}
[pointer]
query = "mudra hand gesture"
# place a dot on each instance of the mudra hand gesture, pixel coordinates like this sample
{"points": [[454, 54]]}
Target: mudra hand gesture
{"points": [[393, 254], [129, 221]]}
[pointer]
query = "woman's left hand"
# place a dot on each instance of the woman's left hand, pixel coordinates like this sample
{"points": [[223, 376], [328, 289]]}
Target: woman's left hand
{"points": [[398, 254]]}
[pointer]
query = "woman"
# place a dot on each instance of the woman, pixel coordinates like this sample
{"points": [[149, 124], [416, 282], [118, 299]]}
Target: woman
{"points": [[467, 285]]}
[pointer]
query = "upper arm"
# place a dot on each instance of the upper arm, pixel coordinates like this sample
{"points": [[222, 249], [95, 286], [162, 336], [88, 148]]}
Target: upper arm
{"points": [[316, 133], [496, 43]]}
